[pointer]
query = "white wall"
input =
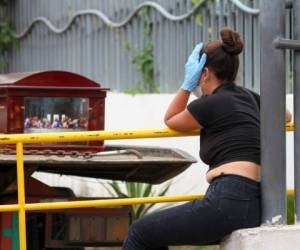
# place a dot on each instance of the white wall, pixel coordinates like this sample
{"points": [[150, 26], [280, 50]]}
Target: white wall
{"points": [[146, 111]]}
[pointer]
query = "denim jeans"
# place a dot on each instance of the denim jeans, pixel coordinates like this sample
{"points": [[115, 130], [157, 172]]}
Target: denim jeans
{"points": [[231, 202]]}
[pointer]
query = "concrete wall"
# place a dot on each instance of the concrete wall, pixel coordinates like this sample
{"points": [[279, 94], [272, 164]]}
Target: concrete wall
{"points": [[264, 238], [147, 111]]}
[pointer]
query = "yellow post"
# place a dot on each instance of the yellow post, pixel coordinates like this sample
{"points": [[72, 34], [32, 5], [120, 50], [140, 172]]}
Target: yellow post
{"points": [[21, 196]]}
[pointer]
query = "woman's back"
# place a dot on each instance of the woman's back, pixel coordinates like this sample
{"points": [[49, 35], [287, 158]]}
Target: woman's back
{"points": [[231, 132]]}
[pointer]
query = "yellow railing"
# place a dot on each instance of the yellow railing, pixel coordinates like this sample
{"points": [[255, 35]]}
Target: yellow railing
{"points": [[20, 139], [290, 126]]}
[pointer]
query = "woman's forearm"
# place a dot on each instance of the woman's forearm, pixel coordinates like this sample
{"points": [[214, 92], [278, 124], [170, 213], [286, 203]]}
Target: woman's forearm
{"points": [[178, 104]]}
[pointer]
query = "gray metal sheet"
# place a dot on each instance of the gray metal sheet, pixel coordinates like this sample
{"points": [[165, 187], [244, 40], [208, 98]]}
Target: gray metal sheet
{"points": [[92, 48]]}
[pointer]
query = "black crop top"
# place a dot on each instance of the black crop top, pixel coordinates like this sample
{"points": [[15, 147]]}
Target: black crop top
{"points": [[231, 125]]}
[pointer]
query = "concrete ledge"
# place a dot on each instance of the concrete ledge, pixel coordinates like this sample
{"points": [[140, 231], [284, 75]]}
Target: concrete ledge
{"points": [[263, 238]]}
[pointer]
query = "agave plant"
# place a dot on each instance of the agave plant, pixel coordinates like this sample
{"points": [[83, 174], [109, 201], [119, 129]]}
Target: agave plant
{"points": [[136, 189]]}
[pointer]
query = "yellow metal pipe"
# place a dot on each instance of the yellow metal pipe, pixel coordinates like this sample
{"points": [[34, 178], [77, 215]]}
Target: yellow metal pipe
{"points": [[92, 135], [9, 208], [98, 135], [113, 202], [21, 196], [104, 203], [108, 202], [99, 203]]}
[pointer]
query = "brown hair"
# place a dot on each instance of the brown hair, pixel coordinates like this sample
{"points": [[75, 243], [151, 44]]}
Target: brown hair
{"points": [[222, 55]]}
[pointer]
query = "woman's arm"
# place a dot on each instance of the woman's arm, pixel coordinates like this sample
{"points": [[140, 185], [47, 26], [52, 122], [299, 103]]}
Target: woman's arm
{"points": [[177, 116]]}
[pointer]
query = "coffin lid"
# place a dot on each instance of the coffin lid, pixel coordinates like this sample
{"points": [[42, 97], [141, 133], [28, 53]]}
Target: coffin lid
{"points": [[47, 79]]}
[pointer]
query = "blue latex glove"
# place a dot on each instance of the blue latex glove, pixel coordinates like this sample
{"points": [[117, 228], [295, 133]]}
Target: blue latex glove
{"points": [[193, 69]]}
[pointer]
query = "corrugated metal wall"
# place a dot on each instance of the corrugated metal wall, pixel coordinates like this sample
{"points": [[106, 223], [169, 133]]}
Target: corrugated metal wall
{"points": [[93, 49]]}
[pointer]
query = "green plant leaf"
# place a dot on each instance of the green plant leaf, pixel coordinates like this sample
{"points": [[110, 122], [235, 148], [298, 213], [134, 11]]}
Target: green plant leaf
{"points": [[108, 189], [142, 212], [130, 187], [126, 44], [116, 187], [290, 210], [7, 40], [165, 189], [135, 91], [198, 19], [144, 11], [147, 191], [136, 189], [195, 2], [144, 58]]}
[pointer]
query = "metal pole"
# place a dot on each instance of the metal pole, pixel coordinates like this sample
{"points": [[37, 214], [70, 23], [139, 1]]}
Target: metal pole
{"points": [[21, 196], [272, 23], [296, 9]]}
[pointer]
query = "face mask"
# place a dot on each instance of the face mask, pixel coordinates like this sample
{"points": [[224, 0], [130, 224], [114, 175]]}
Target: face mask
{"points": [[197, 91]]}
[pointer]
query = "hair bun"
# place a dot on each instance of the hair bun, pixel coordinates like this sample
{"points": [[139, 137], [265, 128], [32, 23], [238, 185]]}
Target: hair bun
{"points": [[232, 42]]}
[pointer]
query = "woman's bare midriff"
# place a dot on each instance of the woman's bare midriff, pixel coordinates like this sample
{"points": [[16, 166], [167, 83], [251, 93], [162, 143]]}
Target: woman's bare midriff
{"points": [[247, 169]]}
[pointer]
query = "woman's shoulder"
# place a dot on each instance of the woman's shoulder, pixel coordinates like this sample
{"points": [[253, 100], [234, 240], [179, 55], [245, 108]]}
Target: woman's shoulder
{"points": [[220, 101], [245, 89], [224, 95]]}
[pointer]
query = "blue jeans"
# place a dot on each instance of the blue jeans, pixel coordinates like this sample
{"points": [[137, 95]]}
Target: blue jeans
{"points": [[231, 202]]}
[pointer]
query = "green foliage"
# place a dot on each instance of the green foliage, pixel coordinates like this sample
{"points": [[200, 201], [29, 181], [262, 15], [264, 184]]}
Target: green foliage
{"points": [[290, 84], [126, 44], [290, 75], [198, 14], [290, 209], [143, 59], [213, 247], [144, 62], [198, 19], [145, 13], [136, 189], [135, 92], [195, 2], [7, 39]]}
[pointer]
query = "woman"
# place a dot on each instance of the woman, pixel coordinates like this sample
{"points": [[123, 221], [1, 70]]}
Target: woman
{"points": [[229, 122]]}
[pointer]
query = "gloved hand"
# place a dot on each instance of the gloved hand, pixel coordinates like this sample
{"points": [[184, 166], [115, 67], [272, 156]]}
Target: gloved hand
{"points": [[193, 69]]}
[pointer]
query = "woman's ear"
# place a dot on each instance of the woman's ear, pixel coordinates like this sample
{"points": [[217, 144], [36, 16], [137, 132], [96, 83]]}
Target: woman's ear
{"points": [[205, 75], [201, 78]]}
